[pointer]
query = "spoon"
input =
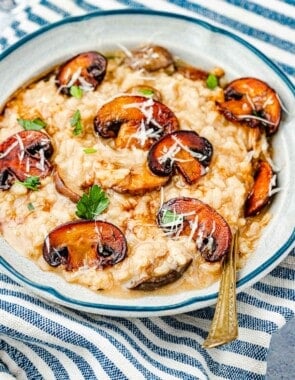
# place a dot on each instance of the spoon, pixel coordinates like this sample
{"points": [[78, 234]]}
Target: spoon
{"points": [[224, 327]]}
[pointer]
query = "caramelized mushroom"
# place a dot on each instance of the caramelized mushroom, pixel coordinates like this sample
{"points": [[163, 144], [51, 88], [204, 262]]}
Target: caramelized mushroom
{"points": [[85, 70], [139, 181], [85, 244], [156, 282], [253, 102], [22, 155], [260, 194], [194, 218], [134, 120], [63, 189], [184, 150], [149, 58], [192, 72]]}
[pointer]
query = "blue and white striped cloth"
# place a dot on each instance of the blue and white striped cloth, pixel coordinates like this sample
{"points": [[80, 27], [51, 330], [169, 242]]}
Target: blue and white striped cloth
{"points": [[40, 340]]}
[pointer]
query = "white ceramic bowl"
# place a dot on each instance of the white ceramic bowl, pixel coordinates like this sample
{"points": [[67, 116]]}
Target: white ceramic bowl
{"points": [[202, 45]]}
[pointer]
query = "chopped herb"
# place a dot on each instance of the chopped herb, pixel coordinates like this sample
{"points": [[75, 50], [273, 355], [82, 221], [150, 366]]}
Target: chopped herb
{"points": [[30, 206], [92, 203], [212, 81], [76, 123], [146, 92], [31, 183], [32, 125], [89, 150], [76, 92], [171, 217]]}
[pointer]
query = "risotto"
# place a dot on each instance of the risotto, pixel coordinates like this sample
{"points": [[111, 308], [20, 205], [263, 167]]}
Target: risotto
{"points": [[128, 173]]}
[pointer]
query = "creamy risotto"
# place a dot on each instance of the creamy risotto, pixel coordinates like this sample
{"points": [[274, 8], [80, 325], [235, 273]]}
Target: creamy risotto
{"points": [[155, 163]]}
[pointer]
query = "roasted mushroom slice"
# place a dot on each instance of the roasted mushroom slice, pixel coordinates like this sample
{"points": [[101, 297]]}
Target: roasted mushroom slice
{"points": [[155, 282], [22, 155], [191, 72], [186, 151], [139, 181], [134, 120], [63, 189], [262, 190], [85, 244], [85, 70], [192, 217], [253, 102], [149, 58]]}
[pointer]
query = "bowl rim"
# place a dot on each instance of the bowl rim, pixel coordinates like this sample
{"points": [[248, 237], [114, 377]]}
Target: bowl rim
{"points": [[191, 301]]}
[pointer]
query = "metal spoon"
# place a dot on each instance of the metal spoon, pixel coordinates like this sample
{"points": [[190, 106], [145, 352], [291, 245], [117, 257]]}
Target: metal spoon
{"points": [[224, 327]]}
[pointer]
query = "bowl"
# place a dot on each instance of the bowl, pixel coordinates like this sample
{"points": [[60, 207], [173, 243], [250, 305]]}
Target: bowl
{"points": [[194, 41]]}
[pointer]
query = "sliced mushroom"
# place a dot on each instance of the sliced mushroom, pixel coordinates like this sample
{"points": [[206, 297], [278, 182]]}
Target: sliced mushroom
{"points": [[85, 244], [149, 58], [85, 70], [134, 120], [63, 189], [147, 91], [156, 282], [22, 155], [139, 181], [261, 192], [253, 102], [191, 72], [204, 224], [184, 150]]}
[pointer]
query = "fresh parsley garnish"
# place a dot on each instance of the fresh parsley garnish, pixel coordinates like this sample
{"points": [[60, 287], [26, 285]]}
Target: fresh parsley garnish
{"points": [[76, 92], [30, 206], [76, 123], [92, 203], [89, 150], [32, 125], [31, 183], [146, 92], [212, 81], [171, 218]]}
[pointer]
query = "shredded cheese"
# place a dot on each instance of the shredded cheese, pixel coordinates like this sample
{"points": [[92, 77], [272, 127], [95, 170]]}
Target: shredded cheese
{"points": [[8, 150], [241, 117]]}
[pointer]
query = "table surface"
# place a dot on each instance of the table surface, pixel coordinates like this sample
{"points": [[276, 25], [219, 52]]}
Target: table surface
{"points": [[280, 363]]}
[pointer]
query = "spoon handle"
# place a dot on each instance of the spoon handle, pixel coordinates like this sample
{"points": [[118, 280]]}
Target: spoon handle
{"points": [[224, 327]]}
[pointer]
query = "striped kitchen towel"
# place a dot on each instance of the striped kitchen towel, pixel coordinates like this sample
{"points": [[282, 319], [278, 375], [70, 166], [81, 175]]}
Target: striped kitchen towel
{"points": [[42, 340]]}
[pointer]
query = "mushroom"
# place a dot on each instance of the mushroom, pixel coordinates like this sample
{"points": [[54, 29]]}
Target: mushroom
{"points": [[261, 192], [86, 70], [186, 151], [139, 181], [85, 244], [149, 58], [154, 282], [201, 222], [134, 120], [63, 189], [22, 155], [253, 102], [191, 72]]}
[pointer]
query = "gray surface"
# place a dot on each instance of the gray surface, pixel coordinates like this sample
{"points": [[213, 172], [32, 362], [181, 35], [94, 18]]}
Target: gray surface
{"points": [[281, 357]]}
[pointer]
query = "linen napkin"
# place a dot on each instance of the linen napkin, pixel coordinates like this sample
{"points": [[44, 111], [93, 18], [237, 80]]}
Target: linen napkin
{"points": [[42, 340]]}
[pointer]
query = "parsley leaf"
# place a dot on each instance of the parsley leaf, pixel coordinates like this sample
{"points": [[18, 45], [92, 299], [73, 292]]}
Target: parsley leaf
{"points": [[31, 183], [76, 92], [30, 206], [76, 123], [147, 92], [32, 125], [212, 81], [92, 204], [171, 218], [89, 150]]}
